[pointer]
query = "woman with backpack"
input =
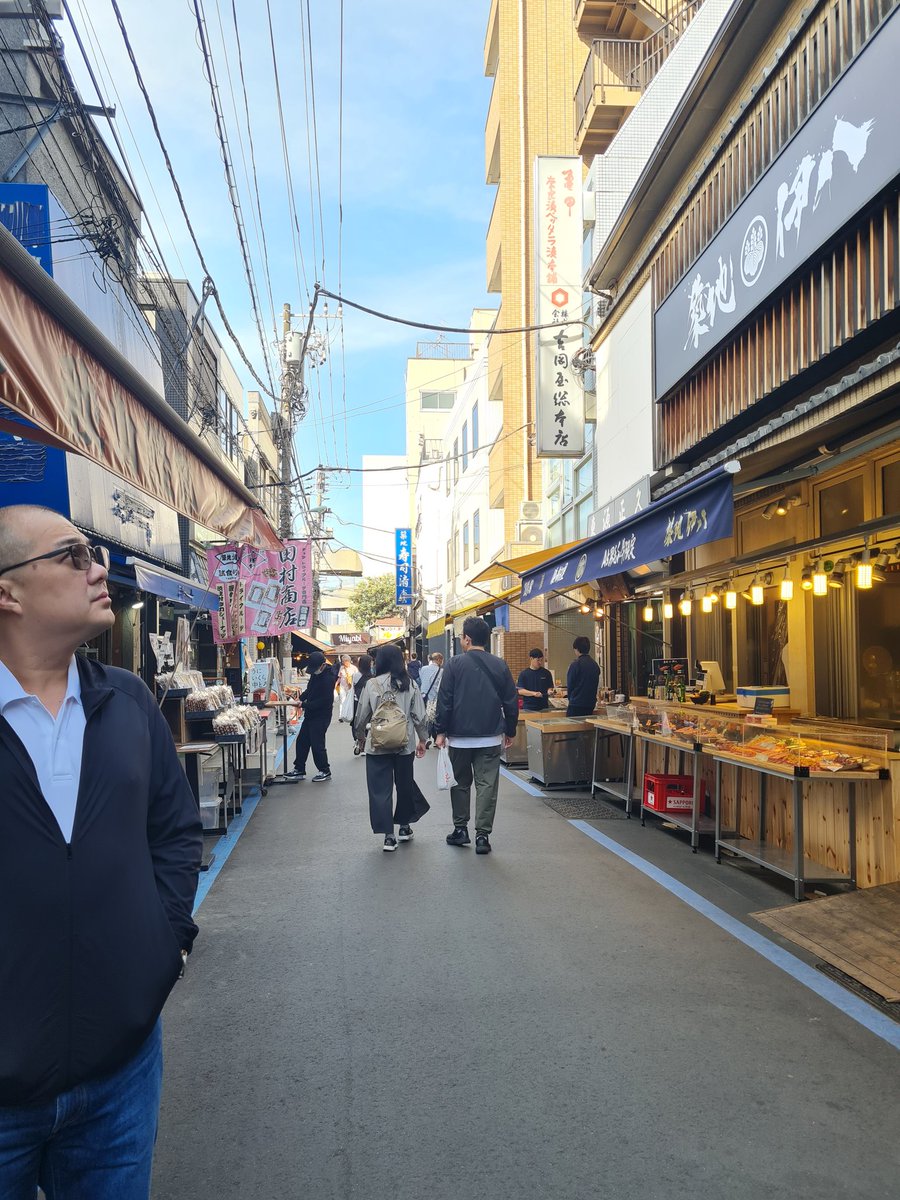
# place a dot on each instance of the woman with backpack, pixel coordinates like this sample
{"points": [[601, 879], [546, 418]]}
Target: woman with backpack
{"points": [[395, 713]]}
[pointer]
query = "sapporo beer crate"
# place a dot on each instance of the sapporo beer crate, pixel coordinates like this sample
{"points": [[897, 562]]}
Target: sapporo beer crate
{"points": [[671, 793]]}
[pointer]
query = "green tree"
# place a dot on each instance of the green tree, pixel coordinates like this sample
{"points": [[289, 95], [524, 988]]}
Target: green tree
{"points": [[371, 599]]}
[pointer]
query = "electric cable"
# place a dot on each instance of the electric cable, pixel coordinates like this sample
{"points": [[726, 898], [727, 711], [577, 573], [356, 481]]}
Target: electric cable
{"points": [[374, 312], [181, 201]]}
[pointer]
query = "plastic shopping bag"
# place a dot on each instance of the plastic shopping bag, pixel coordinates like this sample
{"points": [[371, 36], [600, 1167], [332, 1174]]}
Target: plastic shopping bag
{"points": [[445, 777]]}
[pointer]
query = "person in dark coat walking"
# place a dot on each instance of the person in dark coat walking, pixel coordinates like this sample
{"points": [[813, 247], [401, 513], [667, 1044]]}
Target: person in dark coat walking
{"points": [[477, 714], [318, 707], [100, 847], [387, 771], [414, 668]]}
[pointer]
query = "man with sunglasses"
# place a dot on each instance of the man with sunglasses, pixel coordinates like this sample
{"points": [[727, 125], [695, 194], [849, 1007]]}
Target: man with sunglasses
{"points": [[100, 845]]}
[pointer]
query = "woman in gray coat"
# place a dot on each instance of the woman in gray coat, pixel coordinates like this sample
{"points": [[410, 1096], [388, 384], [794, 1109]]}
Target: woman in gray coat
{"points": [[390, 770]]}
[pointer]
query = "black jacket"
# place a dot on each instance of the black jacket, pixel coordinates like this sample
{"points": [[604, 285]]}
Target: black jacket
{"points": [[582, 682], [468, 705], [91, 931], [318, 699]]}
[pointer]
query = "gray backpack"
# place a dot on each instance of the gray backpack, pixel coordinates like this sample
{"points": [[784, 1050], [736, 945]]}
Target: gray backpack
{"points": [[389, 730]]}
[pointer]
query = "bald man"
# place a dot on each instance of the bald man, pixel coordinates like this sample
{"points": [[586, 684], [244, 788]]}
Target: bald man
{"points": [[100, 844]]}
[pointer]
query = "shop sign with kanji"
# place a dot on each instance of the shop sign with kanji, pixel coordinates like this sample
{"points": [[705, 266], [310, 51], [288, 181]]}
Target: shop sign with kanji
{"points": [[559, 390], [404, 567], [262, 593], [843, 156]]}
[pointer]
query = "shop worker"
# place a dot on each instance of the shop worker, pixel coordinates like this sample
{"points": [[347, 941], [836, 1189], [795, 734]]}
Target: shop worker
{"points": [[477, 714], [582, 680], [535, 683], [318, 707], [100, 844]]}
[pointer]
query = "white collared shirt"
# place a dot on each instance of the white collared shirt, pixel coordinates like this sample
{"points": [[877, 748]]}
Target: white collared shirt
{"points": [[54, 744]]}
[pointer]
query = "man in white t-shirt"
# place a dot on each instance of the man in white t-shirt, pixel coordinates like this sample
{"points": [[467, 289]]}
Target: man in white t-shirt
{"points": [[477, 714]]}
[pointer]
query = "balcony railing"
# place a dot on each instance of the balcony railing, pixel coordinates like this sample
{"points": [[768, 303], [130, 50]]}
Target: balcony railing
{"points": [[441, 349], [619, 63]]}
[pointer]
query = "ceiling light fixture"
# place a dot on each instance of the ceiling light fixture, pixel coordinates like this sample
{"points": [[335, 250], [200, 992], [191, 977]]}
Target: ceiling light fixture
{"points": [[648, 612], [757, 592], [786, 591], [686, 604], [806, 578], [706, 602], [819, 581], [864, 569], [668, 610]]}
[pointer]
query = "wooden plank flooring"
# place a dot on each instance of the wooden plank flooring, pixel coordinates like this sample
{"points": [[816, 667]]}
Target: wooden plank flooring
{"points": [[859, 933]]}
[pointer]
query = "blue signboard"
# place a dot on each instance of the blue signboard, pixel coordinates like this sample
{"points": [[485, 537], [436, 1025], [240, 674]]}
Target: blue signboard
{"points": [[690, 517], [25, 212], [403, 556]]}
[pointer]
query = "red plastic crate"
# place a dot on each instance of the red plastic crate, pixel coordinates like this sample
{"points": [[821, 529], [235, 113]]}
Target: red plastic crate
{"points": [[672, 793]]}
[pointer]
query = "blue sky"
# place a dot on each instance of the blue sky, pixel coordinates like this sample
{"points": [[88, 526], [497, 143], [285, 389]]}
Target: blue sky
{"points": [[415, 205]]}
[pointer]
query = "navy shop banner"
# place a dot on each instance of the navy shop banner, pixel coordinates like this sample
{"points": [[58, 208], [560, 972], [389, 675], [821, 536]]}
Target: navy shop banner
{"points": [[688, 518]]}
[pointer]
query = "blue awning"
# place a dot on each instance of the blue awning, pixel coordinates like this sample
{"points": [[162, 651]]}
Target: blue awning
{"points": [[170, 586], [701, 512]]}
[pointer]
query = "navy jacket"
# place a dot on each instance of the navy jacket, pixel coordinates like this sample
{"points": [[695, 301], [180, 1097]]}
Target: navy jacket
{"points": [[469, 704], [91, 931], [582, 682]]}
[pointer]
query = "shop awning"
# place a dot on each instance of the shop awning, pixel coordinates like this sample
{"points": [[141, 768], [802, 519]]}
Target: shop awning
{"points": [[436, 628], [60, 373], [169, 586], [520, 565], [467, 609], [309, 640], [699, 513]]}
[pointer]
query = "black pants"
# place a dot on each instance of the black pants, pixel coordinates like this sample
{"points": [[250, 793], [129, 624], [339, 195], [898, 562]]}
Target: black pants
{"points": [[312, 737], [384, 773]]}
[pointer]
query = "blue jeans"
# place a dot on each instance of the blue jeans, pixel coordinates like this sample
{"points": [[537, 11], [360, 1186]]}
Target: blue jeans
{"points": [[94, 1142]]}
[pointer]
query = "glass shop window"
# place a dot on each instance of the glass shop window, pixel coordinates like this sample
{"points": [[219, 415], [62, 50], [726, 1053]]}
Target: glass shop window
{"points": [[842, 506]]}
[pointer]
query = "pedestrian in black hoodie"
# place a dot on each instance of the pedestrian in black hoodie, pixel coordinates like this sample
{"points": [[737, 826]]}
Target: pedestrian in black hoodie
{"points": [[318, 707], [100, 844]]}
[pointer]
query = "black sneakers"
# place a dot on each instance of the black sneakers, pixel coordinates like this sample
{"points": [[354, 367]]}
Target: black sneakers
{"points": [[390, 843], [459, 837], [321, 777], [295, 776], [482, 844], [404, 833]]}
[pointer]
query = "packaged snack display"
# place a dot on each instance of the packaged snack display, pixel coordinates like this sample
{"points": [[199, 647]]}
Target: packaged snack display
{"points": [[815, 749]]}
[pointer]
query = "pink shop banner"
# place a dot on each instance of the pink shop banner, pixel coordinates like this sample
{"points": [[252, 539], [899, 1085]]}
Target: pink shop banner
{"points": [[262, 593]]}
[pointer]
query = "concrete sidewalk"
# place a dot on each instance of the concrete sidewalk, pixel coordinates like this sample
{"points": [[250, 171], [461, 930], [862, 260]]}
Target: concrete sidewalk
{"points": [[545, 1021]]}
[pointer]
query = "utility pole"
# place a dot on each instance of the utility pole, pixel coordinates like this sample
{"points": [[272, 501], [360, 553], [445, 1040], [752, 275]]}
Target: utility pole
{"points": [[289, 370], [316, 536], [293, 361]]}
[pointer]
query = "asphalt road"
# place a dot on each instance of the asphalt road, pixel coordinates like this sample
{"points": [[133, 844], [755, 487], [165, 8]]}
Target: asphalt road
{"points": [[541, 1022]]}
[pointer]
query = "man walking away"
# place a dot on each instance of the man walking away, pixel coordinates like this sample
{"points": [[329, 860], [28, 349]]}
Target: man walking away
{"points": [[477, 714], [535, 683], [582, 680], [414, 668], [430, 685], [100, 845], [318, 707]]}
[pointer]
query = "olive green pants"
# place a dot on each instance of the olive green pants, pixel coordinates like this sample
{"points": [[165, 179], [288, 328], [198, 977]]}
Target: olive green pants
{"points": [[480, 764]]}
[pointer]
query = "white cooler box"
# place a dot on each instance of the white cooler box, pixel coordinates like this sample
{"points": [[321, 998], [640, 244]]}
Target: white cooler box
{"points": [[780, 696]]}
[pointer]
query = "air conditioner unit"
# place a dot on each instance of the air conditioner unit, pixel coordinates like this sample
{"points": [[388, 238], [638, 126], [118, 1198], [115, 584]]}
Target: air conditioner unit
{"points": [[530, 533], [530, 510]]}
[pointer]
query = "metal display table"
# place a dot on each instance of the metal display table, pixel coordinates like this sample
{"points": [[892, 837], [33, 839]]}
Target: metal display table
{"points": [[559, 751], [605, 729], [281, 706], [794, 865], [697, 823]]}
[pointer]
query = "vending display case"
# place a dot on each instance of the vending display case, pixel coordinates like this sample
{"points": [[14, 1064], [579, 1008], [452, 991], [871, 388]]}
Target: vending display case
{"points": [[808, 750], [811, 757]]}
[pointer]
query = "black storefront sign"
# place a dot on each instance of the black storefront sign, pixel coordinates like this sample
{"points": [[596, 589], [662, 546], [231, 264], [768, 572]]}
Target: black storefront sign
{"points": [[843, 156]]}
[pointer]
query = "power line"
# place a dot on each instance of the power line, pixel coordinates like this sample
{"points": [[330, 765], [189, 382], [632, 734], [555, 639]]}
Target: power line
{"points": [[233, 195], [171, 170], [374, 312]]}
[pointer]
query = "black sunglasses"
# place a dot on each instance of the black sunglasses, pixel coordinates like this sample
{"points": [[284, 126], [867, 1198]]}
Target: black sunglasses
{"points": [[81, 555]]}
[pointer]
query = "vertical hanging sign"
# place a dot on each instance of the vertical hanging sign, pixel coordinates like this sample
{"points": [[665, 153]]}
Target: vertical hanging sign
{"points": [[403, 538], [559, 232], [262, 593]]}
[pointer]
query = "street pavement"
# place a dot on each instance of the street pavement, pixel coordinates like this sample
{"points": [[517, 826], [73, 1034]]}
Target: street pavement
{"points": [[545, 1021]]}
